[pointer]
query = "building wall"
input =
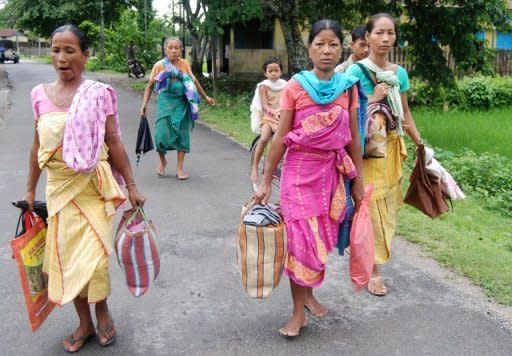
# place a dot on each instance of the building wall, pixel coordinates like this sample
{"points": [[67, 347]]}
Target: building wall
{"points": [[251, 60]]}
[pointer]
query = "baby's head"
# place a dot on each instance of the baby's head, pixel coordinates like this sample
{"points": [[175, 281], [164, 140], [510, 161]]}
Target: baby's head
{"points": [[272, 68]]}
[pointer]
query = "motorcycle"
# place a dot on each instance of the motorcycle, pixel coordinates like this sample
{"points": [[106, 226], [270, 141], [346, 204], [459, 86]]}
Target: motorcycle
{"points": [[135, 69]]}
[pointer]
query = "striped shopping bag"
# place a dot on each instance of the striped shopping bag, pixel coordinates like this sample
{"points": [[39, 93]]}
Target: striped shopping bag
{"points": [[137, 250], [261, 256]]}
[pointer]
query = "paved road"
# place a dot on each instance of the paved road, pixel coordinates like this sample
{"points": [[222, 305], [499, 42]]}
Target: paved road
{"points": [[197, 306]]}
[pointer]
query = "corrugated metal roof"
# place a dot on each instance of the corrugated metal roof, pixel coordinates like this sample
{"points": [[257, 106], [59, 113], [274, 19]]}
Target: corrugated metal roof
{"points": [[7, 32]]}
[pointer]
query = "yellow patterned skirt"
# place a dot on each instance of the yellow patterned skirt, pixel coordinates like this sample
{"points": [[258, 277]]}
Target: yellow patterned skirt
{"points": [[386, 176], [81, 207]]}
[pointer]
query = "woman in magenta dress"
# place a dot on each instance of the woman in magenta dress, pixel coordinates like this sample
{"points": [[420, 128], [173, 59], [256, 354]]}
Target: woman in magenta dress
{"points": [[320, 133]]}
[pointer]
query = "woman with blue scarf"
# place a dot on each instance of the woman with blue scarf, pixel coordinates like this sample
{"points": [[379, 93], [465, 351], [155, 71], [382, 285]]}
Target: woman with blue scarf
{"points": [[319, 131], [177, 104]]}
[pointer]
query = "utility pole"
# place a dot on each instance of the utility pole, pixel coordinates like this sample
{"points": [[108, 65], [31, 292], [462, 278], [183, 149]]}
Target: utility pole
{"points": [[102, 35], [182, 16]]}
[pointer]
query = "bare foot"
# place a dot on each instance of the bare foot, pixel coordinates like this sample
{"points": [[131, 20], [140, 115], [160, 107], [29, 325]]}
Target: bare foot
{"points": [[78, 338], [182, 175], [160, 171], [294, 325], [315, 307]]}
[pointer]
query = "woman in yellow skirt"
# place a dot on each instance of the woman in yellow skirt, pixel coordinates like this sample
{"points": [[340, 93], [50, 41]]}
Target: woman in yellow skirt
{"points": [[77, 140], [385, 82]]}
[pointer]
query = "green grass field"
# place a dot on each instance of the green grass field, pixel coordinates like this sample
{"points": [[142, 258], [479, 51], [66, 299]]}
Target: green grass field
{"points": [[472, 241], [488, 131]]}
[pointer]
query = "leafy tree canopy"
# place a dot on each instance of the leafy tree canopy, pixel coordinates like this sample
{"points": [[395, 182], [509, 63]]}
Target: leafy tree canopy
{"points": [[43, 16]]}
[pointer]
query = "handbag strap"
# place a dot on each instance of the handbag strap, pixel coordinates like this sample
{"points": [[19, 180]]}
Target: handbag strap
{"points": [[367, 73], [25, 221]]}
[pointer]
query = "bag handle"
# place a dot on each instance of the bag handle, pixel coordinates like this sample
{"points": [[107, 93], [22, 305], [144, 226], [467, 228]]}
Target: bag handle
{"points": [[25, 221], [138, 209]]}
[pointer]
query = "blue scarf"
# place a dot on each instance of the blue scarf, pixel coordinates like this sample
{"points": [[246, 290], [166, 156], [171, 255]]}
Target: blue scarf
{"points": [[324, 92]]}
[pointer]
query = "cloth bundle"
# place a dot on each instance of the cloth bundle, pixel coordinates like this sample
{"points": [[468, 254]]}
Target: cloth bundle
{"points": [[449, 186], [262, 215]]}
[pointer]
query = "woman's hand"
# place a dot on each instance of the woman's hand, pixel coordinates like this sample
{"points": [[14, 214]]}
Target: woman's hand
{"points": [[135, 197], [380, 92], [142, 111], [357, 191], [210, 100], [30, 197], [262, 194]]}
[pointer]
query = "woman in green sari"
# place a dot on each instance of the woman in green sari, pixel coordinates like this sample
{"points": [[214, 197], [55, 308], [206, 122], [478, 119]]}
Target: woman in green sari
{"points": [[177, 104]]}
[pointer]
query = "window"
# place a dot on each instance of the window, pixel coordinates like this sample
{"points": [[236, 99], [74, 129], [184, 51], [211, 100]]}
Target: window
{"points": [[250, 35]]}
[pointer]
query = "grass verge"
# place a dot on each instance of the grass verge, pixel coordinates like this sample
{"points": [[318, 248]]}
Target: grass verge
{"points": [[472, 241], [481, 131]]}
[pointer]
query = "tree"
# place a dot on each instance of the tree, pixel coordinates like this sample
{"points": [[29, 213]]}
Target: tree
{"points": [[429, 27], [192, 20], [295, 15], [43, 16], [288, 13]]}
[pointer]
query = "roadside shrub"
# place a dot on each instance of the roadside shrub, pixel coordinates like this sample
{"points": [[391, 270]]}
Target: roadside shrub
{"points": [[421, 94], [487, 175], [93, 64], [503, 91], [479, 92]]}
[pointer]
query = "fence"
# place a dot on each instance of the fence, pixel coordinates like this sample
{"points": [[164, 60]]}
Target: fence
{"points": [[502, 61], [34, 49]]}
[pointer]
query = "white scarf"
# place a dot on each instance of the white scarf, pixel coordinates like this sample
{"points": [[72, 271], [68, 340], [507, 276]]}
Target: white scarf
{"points": [[256, 107], [393, 98]]}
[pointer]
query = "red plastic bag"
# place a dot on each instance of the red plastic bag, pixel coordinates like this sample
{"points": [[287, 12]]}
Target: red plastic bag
{"points": [[362, 243], [28, 251]]}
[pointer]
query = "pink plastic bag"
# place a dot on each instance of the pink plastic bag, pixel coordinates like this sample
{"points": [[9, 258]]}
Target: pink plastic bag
{"points": [[362, 243]]}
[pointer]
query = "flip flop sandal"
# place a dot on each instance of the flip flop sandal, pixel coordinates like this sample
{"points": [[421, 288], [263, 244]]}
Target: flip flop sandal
{"points": [[185, 177], [73, 341], [375, 281], [103, 333]]}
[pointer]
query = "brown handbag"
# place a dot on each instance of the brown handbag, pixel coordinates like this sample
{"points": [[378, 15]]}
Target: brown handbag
{"points": [[425, 193]]}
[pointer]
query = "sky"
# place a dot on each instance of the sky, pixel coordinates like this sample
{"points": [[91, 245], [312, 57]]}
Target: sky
{"points": [[161, 6]]}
